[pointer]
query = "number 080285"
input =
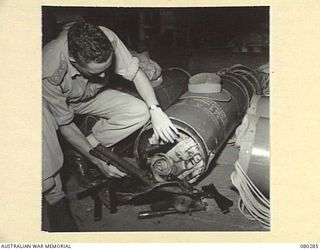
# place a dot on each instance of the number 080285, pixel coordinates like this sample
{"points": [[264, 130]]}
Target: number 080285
{"points": [[310, 246]]}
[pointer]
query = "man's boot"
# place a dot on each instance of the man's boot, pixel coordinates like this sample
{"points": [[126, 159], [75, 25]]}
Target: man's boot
{"points": [[60, 217]]}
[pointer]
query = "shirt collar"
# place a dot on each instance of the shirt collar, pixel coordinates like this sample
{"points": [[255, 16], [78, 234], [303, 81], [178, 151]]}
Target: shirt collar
{"points": [[73, 71]]}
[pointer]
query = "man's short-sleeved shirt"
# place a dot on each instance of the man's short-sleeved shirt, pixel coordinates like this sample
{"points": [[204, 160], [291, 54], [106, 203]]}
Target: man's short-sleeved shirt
{"points": [[63, 84]]}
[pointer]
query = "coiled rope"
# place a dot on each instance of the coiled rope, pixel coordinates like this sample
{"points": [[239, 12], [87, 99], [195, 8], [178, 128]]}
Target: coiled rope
{"points": [[255, 77], [252, 203]]}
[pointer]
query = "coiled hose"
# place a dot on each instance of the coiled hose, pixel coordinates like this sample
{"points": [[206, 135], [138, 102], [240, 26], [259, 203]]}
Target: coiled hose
{"points": [[252, 203], [256, 76]]}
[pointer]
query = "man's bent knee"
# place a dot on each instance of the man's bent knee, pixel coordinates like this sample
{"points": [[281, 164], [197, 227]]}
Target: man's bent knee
{"points": [[141, 110]]}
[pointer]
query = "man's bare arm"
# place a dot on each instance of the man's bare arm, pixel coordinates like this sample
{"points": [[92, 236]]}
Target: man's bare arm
{"points": [[162, 125]]}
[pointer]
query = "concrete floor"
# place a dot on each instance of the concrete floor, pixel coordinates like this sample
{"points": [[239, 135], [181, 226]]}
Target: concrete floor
{"points": [[213, 219]]}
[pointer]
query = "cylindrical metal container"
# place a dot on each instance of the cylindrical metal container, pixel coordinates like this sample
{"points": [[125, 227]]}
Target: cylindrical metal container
{"points": [[208, 121], [251, 175], [253, 140], [173, 86], [212, 121], [254, 155]]}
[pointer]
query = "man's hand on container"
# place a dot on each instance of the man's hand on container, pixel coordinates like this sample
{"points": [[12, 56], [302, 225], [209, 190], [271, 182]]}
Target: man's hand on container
{"points": [[162, 126]]}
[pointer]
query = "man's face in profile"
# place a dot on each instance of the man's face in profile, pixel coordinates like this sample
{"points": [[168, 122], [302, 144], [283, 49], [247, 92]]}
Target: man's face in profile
{"points": [[93, 69]]}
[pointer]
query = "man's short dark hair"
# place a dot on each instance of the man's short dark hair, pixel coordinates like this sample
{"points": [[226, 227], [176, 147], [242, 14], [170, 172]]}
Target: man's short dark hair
{"points": [[87, 43]]}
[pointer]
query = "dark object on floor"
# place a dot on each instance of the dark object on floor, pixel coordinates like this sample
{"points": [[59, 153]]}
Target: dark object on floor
{"points": [[94, 193], [60, 217], [112, 192], [174, 204], [223, 202]]}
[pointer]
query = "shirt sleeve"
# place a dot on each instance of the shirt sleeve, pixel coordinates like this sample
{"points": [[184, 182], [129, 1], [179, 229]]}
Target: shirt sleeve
{"points": [[57, 103], [54, 69], [125, 64]]}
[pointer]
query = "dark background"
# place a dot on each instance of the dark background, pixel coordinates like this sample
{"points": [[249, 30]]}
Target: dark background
{"points": [[164, 29]]}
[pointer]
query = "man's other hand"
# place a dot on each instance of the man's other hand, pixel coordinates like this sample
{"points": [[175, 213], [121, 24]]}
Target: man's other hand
{"points": [[108, 170]]}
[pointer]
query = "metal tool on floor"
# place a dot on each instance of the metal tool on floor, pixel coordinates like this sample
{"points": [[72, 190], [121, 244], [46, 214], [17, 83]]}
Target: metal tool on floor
{"points": [[152, 214]]}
